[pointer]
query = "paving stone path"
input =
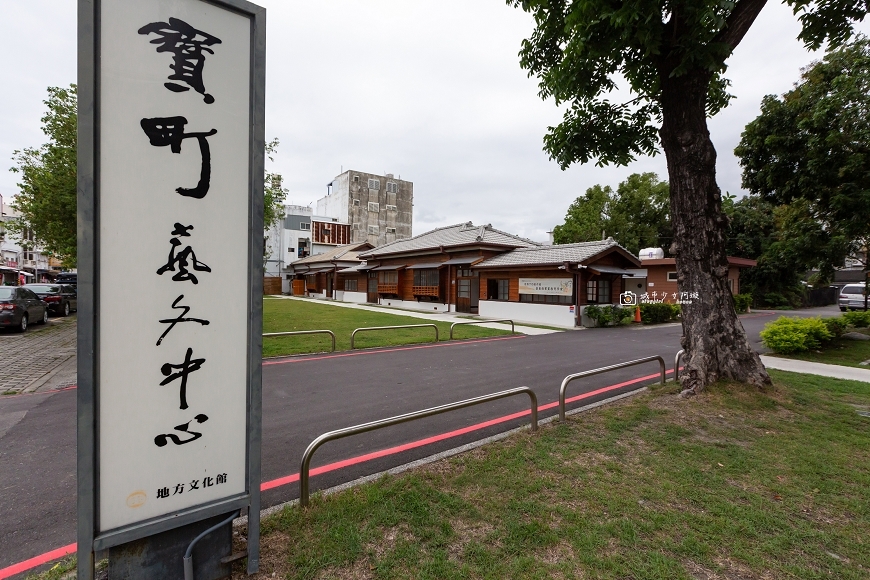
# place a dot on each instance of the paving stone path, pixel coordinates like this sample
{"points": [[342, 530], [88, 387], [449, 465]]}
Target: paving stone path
{"points": [[28, 359]]}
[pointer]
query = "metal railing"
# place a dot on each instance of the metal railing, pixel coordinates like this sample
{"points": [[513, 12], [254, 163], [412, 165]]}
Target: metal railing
{"points": [[601, 370], [366, 427], [329, 332], [513, 330], [677, 360], [353, 334]]}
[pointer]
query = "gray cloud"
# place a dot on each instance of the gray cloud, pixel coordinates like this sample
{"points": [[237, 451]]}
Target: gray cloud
{"points": [[429, 91]]}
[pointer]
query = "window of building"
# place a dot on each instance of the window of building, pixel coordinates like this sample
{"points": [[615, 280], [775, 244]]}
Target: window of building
{"points": [[497, 289], [392, 208], [426, 277], [350, 285], [392, 187], [374, 183], [374, 230], [731, 285], [305, 226], [356, 178], [598, 291], [374, 206], [355, 225], [672, 276], [356, 202], [391, 230], [388, 277], [466, 273], [546, 299]]}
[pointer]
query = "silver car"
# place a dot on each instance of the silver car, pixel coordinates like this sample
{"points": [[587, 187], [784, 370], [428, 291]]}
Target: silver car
{"points": [[852, 297]]}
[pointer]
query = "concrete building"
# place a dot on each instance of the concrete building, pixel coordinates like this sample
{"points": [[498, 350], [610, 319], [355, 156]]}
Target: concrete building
{"points": [[22, 259], [379, 208]]}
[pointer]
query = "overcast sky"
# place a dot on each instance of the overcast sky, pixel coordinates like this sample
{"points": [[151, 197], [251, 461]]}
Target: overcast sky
{"points": [[429, 91]]}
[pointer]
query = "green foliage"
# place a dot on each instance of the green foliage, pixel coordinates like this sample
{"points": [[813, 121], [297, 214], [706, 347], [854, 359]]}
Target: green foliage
{"points": [[787, 335], [658, 312], [274, 192], [836, 325], [609, 315], [742, 302], [636, 215], [858, 319], [809, 151], [46, 198]]}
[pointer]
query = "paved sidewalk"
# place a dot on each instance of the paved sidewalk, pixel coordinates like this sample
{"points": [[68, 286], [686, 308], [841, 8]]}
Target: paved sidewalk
{"points": [[811, 368], [39, 359], [438, 316]]}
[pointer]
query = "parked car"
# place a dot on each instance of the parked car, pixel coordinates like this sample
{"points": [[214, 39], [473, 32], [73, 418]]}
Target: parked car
{"points": [[60, 298], [70, 278], [20, 306], [852, 297]]}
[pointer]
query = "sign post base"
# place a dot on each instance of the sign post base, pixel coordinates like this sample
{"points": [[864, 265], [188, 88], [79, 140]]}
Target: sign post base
{"points": [[162, 555]]}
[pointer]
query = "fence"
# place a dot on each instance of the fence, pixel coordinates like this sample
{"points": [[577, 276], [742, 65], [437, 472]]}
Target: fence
{"points": [[480, 322], [353, 334], [601, 370], [295, 332], [366, 427]]}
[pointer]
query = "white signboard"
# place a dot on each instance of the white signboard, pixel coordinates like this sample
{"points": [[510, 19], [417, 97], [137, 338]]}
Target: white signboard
{"points": [[547, 286], [172, 355]]}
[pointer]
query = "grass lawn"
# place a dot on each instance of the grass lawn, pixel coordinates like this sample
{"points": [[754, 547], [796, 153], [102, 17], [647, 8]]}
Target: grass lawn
{"points": [[838, 352], [731, 484], [289, 315]]}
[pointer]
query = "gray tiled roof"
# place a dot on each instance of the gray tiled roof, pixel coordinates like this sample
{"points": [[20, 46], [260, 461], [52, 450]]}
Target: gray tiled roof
{"points": [[347, 252], [452, 236], [573, 253]]}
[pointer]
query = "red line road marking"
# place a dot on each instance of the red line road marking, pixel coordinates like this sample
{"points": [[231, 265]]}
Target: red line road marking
{"points": [[70, 549], [37, 561]]}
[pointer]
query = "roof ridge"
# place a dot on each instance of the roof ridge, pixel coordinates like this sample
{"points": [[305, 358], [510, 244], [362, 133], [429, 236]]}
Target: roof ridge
{"points": [[490, 228]]}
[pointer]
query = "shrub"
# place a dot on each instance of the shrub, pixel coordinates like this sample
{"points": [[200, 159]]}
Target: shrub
{"points": [[608, 315], [742, 302], [858, 319], [657, 312], [836, 325], [789, 335], [777, 300]]}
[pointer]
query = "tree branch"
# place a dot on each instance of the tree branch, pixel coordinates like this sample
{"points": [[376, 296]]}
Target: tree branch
{"points": [[738, 22]]}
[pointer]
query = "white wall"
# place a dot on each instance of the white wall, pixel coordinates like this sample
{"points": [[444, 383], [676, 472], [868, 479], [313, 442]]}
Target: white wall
{"points": [[554, 314], [414, 305], [335, 205], [355, 297]]}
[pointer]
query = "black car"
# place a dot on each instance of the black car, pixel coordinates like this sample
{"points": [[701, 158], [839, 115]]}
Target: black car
{"points": [[69, 278], [20, 306], [60, 298]]}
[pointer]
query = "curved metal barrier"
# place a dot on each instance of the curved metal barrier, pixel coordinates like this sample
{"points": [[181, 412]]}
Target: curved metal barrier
{"points": [[353, 334], [365, 427], [329, 332], [513, 330], [576, 376], [677, 360]]}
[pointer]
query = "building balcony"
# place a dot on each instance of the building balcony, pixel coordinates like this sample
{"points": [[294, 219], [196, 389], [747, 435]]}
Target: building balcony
{"points": [[425, 291], [388, 288]]}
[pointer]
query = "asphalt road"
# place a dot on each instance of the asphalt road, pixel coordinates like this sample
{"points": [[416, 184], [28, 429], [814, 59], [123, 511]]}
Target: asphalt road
{"points": [[304, 397]]}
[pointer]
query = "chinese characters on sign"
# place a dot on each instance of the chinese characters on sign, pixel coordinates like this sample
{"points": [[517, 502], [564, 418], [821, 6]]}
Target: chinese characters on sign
{"points": [[174, 191], [188, 46]]}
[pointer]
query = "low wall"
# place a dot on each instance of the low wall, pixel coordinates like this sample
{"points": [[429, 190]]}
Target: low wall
{"points": [[414, 305], [355, 297], [555, 314]]}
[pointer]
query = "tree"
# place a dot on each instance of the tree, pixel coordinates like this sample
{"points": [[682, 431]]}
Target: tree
{"points": [[46, 199], [636, 215], [810, 149], [273, 190], [671, 57]]}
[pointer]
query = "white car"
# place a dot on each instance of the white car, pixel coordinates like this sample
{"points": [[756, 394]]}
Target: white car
{"points": [[852, 297]]}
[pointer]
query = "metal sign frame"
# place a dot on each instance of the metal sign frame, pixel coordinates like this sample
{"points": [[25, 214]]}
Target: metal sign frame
{"points": [[88, 402]]}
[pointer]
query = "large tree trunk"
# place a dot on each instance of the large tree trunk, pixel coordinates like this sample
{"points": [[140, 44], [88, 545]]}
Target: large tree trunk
{"points": [[713, 337]]}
